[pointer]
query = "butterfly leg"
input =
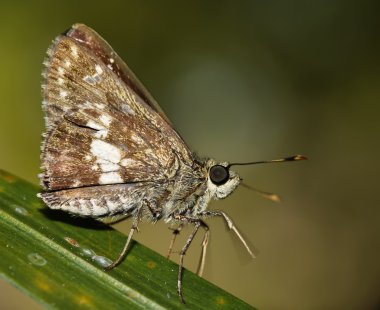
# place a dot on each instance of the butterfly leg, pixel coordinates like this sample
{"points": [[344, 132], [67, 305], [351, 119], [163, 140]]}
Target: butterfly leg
{"points": [[182, 254], [205, 241], [176, 232], [197, 223], [136, 219], [230, 225]]}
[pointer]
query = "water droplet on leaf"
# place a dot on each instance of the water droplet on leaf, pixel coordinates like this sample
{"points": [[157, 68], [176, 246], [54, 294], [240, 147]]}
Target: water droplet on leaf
{"points": [[37, 259]]}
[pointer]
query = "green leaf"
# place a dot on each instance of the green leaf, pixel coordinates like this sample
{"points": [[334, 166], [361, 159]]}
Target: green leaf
{"points": [[57, 260]]}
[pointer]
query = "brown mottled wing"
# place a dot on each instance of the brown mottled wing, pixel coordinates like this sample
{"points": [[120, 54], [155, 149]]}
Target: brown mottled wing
{"points": [[103, 127], [92, 40], [115, 201]]}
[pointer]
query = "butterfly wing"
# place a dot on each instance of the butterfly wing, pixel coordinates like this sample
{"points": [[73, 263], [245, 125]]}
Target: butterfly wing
{"points": [[109, 204], [107, 55], [103, 127], [104, 54]]}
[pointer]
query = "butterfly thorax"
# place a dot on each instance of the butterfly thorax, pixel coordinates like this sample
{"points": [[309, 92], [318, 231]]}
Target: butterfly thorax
{"points": [[194, 189]]}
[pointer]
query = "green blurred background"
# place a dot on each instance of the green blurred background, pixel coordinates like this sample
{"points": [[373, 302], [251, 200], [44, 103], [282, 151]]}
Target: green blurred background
{"points": [[241, 81]]}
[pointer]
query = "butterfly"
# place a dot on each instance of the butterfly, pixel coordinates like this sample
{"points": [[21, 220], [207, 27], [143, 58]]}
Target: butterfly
{"points": [[110, 152]]}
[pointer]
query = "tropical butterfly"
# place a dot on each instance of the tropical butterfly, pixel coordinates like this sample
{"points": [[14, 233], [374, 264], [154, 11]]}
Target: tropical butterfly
{"points": [[110, 152]]}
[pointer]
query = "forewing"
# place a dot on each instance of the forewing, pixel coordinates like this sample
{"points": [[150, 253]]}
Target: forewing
{"points": [[102, 128], [93, 41], [90, 147]]}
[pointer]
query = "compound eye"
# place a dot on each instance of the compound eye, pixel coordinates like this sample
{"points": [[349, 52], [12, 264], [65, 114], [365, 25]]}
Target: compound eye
{"points": [[219, 174]]}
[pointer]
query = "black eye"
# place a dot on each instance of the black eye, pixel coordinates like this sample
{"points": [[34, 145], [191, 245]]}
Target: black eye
{"points": [[219, 174]]}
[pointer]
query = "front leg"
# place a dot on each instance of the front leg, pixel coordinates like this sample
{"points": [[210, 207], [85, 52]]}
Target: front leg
{"points": [[175, 233], [197, 223], [230, 225]]}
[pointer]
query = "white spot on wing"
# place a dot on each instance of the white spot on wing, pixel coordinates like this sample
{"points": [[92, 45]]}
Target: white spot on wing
{"points": [[111, 205], [76, 183], [110, 178], [98, 69], [84, 208], [109, 167], [106, 151], [100, 106], [95, 78], [101, 134], [105, 119], [127, 162], [97, 210], [74, 51], [86, 104], [136, 139], [63, 94], [94, 125], [61, 70], [90, 80]]}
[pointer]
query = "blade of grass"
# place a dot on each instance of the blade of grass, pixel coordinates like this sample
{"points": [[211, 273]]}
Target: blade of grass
{"points": [[57, 260]]}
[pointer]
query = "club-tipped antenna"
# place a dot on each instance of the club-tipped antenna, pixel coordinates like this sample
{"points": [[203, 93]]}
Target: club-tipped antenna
{"points": [[281, 160], [270, 196]]}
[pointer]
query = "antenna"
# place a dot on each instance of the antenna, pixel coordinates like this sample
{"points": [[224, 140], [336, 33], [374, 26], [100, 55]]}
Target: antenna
{"points": [[270, 196], [281, 160]]}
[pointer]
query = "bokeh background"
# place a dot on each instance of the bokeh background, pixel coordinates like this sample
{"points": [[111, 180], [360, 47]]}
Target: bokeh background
{"points": [[241, 81]]}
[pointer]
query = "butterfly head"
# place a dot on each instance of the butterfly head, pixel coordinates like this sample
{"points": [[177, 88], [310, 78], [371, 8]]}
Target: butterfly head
{"points": [[221, 181]]}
